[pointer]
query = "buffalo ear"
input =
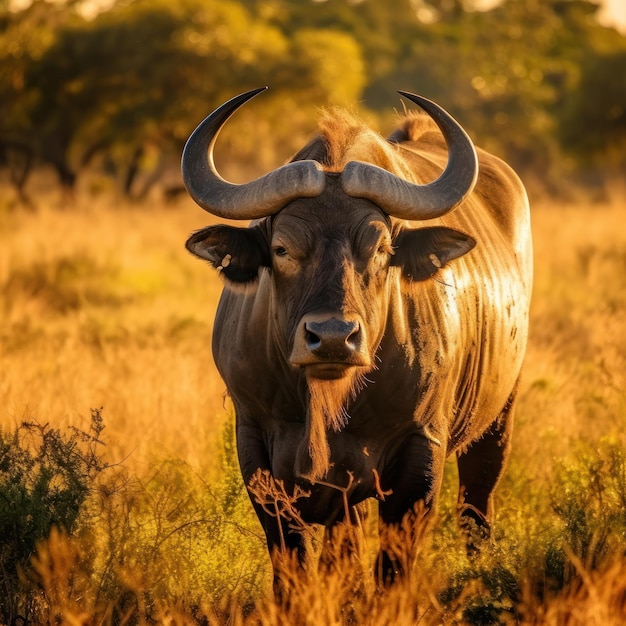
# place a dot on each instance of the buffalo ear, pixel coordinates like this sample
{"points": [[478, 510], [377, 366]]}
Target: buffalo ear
{"points": [[421, 252], [237, 253]]}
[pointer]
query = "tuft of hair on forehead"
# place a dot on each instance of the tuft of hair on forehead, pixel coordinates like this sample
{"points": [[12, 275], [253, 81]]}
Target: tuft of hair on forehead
{"points": [[340, 130], [348, 138]]}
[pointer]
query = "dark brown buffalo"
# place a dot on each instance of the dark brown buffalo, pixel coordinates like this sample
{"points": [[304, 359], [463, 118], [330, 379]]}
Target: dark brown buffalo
{"points": [[360, 345]]}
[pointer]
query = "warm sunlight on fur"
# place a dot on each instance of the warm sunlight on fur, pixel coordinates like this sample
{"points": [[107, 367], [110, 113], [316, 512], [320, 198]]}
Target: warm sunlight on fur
{"points": [[327, 412], [104, 308]]}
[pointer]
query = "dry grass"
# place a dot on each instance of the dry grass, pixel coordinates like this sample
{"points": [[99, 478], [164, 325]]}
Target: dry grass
{"points": [[576, 362], [102, 307]]}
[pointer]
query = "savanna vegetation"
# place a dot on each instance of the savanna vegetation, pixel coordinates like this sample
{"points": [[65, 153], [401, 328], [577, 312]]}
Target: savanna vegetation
{"points": [[120, 495], [104, 93]]}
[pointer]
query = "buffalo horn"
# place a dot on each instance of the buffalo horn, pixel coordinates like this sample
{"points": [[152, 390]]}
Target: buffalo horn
{"points": [[259, 198], [410, 201]]}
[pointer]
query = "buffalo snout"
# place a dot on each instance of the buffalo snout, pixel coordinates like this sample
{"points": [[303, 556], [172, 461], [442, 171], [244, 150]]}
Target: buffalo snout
{"points": [[329, 339]]}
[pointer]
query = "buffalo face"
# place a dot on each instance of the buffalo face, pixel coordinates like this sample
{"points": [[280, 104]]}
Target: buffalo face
{"points": [[330, 260], [332, 263]]}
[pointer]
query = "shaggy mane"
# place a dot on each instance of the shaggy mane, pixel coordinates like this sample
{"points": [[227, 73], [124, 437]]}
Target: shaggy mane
{"points": [[343, 137]]}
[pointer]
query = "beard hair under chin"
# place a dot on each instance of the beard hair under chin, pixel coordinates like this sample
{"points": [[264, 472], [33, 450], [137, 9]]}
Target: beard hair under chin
{"points": [[327, 410]]}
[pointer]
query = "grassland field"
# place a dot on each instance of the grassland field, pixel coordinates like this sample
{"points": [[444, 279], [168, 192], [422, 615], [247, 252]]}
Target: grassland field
{"points": [[103, 308]]}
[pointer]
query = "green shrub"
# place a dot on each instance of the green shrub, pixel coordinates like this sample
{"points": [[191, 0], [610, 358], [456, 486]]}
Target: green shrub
{"points": [[172, 537], [45, 477], [589, 499]]}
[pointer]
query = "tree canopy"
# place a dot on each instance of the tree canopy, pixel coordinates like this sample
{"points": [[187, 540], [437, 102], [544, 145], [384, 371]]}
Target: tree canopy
{"points": [[541, 83]]}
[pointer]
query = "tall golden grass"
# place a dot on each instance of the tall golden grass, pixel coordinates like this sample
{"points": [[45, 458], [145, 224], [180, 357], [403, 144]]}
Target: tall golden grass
{"points": [[102, 307]]}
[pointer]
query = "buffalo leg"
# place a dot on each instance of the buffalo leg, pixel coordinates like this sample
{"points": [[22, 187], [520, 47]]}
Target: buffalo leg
{"points": [[480, 469], [286, 545], [404, 513], [274, 503]]}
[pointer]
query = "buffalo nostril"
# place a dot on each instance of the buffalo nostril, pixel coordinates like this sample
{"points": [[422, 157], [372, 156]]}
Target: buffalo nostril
{"points": [[312, 340], [354, 337]]}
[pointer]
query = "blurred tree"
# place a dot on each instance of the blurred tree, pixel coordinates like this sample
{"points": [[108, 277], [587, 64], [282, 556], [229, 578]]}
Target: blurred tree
{"points": [[128, 85], [594, 122], [381, 29], [507, 73], [314, 63], [132, 77], [531, 78], [24, 39]]}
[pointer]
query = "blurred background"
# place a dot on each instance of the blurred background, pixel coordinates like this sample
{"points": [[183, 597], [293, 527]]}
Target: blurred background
{"points": [[114, 425], [101, 94]]}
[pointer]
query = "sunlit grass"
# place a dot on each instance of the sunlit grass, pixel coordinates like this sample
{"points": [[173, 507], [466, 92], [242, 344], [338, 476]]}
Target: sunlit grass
{"points": [[102, 307], [576, 361]]}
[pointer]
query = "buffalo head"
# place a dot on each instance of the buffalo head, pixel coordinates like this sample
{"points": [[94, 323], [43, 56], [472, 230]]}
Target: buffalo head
{"points": [[327, 238], [334, 240]]}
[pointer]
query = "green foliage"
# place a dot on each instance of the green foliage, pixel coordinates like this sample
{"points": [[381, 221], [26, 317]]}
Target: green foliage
{"points": [[45, 478], [600, 103], [122, 90], [128, 545], [172, 538], [589, 497], [315, 53], [545, 541]]}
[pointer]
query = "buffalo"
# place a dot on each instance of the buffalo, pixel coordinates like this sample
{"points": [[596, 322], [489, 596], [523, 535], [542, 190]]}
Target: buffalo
{"points": [[373, 320]]}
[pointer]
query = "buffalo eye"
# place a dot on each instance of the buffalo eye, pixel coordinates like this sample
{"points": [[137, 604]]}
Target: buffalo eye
{"points": [[284, 262]]}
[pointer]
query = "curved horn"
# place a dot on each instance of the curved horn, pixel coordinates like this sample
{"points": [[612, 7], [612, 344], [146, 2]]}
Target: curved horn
{"points": [[409, 201], [259, 198]]}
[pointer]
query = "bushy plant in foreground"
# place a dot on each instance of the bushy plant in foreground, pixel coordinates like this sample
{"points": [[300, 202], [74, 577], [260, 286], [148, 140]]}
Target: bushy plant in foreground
{"points": [[589, 498], [551, 547], [45, 477], [78, 543], [173, 547], [172, 538]]}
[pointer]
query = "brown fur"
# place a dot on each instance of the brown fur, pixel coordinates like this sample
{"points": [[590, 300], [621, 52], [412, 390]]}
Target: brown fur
{"points": [[328, 400], [416, 126], [347, 138]]}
